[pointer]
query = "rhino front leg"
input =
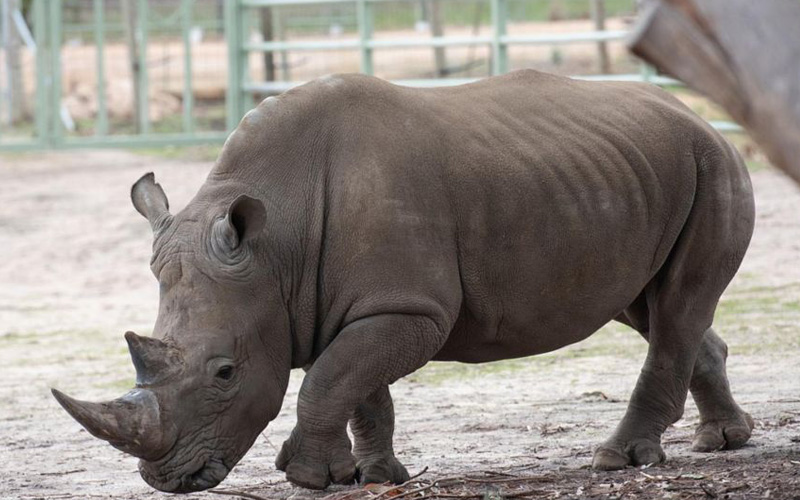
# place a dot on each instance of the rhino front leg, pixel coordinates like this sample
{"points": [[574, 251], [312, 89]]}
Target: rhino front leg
{"points": [[373, 426], [367, 355]]}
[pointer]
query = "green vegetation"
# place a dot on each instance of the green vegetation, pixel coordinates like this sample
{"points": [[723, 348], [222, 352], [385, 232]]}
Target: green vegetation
{"points": [[732, 306], [117, 385], [754, 166], [759, 319], [19, 338]]}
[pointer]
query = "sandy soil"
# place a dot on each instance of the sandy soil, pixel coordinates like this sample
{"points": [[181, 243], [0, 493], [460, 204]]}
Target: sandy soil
{"points": [[74, 276]]}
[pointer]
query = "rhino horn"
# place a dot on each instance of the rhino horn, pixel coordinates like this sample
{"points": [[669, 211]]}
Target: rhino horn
{"points": [[131, 423], [153, 359]]}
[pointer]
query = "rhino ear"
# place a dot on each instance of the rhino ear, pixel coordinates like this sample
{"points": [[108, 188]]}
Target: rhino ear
{"points": [[149, 200], [247, 217]]}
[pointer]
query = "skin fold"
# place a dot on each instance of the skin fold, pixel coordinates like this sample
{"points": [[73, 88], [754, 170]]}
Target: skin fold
{"points": [[359, 230]]}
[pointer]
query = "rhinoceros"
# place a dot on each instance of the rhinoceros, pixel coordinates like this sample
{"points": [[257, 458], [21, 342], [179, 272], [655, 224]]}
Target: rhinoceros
{"points": [[359, 229]]}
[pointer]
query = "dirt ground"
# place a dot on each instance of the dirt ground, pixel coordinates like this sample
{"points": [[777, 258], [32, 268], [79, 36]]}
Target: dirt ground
{"points": [[74, 276]]}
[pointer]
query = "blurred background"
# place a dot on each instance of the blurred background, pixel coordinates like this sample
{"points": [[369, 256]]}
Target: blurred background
{"points": [[87, 73]]}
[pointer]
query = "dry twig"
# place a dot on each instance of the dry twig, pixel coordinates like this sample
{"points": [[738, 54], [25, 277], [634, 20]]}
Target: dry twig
{"points": [[234, 493]]}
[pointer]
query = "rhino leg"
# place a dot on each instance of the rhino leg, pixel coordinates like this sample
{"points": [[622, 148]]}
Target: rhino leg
{"points": [[373, 426], [365, 356], [723, 424], [656, 402], [681, 299]]}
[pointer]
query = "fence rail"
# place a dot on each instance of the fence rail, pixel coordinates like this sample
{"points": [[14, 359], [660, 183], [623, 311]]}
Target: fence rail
{"points": [[51, 124]]}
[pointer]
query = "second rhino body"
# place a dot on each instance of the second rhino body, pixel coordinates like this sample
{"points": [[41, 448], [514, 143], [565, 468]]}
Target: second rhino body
{"points": [[360, 230]]}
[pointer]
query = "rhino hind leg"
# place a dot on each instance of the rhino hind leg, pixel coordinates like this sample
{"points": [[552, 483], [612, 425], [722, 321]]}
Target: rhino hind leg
{"points": [[373, 427], [723, 424], [680, 301]]}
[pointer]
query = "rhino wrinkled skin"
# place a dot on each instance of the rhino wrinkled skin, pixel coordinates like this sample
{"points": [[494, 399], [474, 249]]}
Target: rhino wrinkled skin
{"points": [[359, 230]]}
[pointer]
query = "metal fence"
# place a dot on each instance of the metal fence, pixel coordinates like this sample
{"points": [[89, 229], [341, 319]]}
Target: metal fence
{"points": [[108, 73], [170, 72]]}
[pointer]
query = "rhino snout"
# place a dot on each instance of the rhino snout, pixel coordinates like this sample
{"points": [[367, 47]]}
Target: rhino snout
{"points": [[202, 477]]}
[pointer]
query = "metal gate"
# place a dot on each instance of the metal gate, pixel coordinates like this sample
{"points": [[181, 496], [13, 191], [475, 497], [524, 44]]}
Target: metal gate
{"points": [[164, 49], [48, 121]]}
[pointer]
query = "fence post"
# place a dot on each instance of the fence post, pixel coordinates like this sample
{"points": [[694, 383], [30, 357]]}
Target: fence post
{"points": [[646, 71], [279, 29], [135, 14], [599, 16], [12, 42], [234, 37], [499, 47], [437, 30], [101, 127], [364, 15], [141, 36], [54, 26], [5, 96], [268, 35], [188, 96], [43, 79]]}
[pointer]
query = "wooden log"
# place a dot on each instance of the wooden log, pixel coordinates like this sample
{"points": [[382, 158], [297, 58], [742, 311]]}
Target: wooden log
{"points": [[744, 55]]}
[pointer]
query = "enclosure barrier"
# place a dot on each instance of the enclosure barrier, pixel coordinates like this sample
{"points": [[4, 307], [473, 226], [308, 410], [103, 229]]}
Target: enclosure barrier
{"points": [[47, 41], [51, 120]]}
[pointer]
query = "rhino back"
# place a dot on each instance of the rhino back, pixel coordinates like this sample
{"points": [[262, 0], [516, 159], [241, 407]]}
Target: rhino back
{"points": [[524, 211]]}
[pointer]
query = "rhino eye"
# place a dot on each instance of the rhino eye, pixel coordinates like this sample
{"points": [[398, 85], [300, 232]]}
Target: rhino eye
{"points": [[225, 373]]}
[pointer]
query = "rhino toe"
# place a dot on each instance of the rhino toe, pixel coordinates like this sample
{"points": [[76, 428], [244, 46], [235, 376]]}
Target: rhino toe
{"points": [[383, 469], [313, 477], [315, 467], [618, 455], [727, 434], [609, 459], [343, 469]]}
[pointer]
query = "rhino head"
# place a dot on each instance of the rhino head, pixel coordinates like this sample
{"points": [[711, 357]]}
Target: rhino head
{"points": [[215, 371]]}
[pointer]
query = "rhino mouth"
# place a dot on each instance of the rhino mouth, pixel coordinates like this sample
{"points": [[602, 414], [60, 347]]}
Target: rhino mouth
{"points": [[206, 475]]}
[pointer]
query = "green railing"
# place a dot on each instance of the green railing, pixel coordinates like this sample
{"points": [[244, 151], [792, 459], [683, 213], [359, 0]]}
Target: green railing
{"points": [[51, 122], [49, 129], [499, 41]]}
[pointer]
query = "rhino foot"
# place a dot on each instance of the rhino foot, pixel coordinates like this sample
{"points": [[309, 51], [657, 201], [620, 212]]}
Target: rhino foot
{"points": [[615, 455], [316, 466], [381, 469], [723, 434]]}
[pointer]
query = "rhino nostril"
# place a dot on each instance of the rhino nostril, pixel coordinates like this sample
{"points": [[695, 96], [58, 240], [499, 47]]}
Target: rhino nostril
{"points": [[197, 474], [206, 476]]}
